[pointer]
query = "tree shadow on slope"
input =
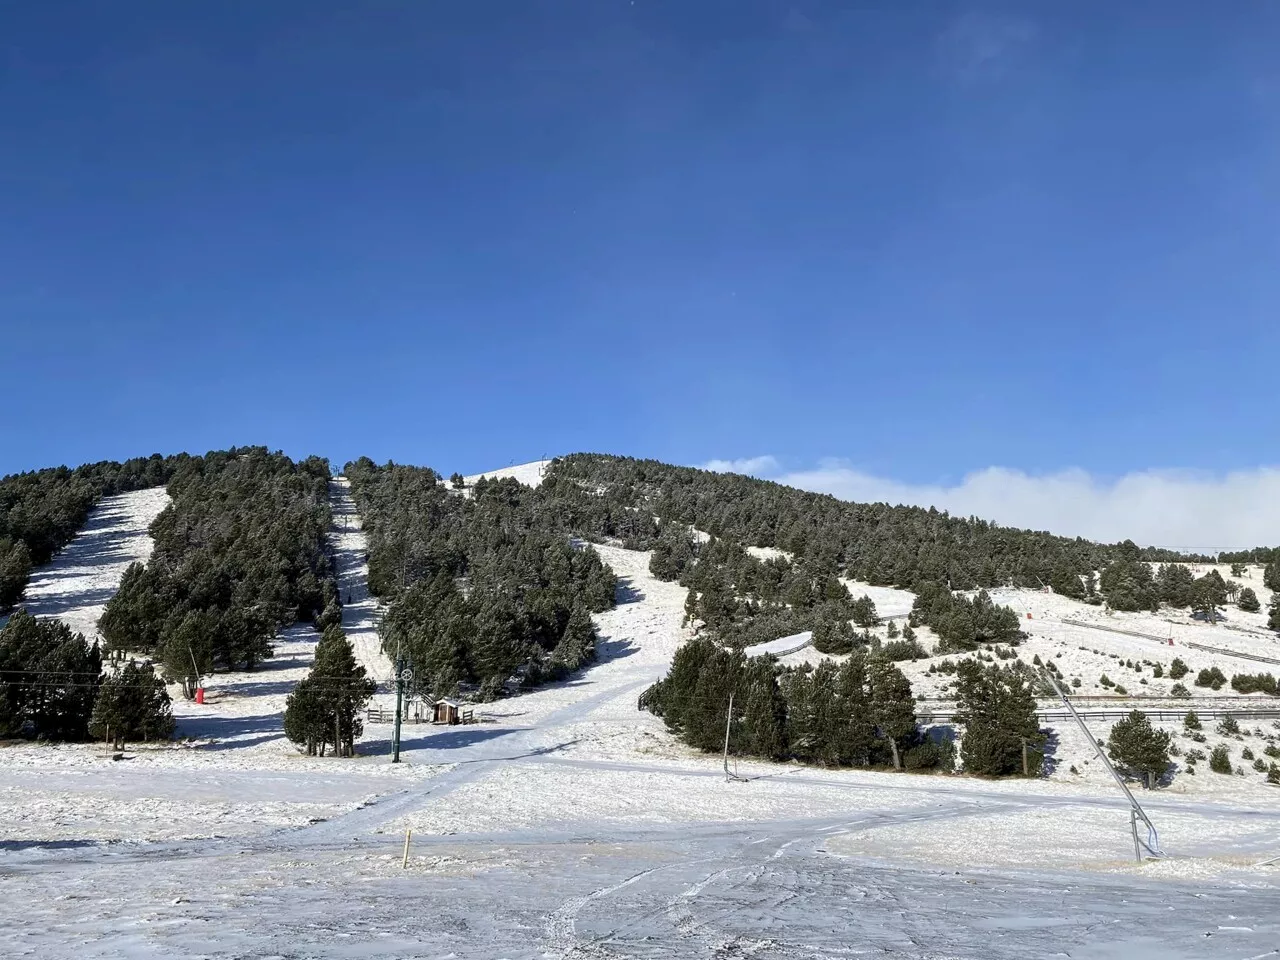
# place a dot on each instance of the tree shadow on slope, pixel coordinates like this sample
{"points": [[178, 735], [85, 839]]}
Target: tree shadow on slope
{"points": [[228, 730], [627, 592]]}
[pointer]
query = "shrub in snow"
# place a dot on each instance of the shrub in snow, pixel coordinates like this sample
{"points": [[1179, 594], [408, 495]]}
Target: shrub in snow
{"points": [[1191, 721], [1228, 727], [1248, 601], [1137, 747], [1220, 759], [1211, 677], [1177, 669], [1260, 765], [1254, 683], [1246, 754], [1178, 690]]}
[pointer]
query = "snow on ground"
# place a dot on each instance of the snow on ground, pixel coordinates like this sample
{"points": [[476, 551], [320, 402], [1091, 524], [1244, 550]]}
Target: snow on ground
{"points": [[782, 646], [76, 585], [568, 822], [530, 474], [769, 553], [889, 601]]}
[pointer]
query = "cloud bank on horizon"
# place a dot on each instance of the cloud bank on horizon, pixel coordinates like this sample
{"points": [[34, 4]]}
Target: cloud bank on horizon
{"points": [[1183, 510]]}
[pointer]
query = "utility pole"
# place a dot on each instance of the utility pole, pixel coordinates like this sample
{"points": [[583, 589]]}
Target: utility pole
{"points": [[395, 737]]}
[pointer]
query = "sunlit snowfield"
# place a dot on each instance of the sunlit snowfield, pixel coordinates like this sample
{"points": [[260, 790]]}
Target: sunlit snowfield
{"points": [[568, 823]]}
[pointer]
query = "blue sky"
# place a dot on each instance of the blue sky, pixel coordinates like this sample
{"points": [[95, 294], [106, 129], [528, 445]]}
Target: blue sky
{"points": [[923, 239]]}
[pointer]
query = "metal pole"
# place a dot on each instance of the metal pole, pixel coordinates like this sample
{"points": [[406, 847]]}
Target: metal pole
{"points": [[728, 719], [408, 832], [395, 738], [1153, 838]]}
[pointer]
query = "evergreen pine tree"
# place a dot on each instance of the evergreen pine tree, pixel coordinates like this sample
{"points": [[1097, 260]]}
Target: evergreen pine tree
{"points": [[863, 612], [1138, 747], [577, 645], [892, 706], [857, 732], [998, 710], [763, 710], [132, 704], [1248, 601]]}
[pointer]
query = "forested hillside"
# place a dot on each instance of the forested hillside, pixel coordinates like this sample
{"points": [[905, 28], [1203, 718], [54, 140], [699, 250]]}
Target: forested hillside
{"points": [[41, 511], [876, 543], [482, 587], [240, 552]]}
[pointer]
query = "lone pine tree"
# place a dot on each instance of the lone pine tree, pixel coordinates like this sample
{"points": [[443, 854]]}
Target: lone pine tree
{"points": [[325, 707], [1139, 748]]}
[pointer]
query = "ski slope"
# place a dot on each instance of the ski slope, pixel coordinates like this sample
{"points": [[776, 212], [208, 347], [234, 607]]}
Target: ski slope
{"points": [[569, 823], [75, 586], [530, 474]]}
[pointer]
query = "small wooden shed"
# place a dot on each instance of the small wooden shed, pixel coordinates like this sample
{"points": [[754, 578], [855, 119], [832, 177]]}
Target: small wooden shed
{"points": [[447, 711]]}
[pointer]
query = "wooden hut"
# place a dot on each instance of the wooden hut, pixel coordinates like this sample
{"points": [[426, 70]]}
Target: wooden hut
{"points": [[447, 711]]}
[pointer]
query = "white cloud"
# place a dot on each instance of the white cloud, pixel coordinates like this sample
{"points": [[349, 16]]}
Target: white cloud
{"points": [[753, 466], [1173, 508]]}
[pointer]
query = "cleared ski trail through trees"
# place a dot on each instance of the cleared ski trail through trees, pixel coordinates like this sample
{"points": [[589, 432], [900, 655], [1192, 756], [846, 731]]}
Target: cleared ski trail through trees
{"points": [[360, 610], [75, 586]]}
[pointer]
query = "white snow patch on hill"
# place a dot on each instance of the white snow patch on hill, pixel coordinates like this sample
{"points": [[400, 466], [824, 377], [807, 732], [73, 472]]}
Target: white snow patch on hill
{"points": [[76, 585], [530, 474], [782, 646]]}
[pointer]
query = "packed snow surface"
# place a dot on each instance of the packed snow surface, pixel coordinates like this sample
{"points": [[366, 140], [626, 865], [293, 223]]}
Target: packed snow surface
{"points": [[569, 823], [530, 474], [76, 585], [782, 646]]}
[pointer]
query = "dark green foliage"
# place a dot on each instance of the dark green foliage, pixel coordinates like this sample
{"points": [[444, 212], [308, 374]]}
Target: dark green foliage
{"points": [[1254, 683], [1191, 721], [896, 650], [132, 705], [1273, 613], [892, 707], [41, 511], [962, 623], [860, 713], [1220, 759], [1177, 584], [1211, 677], [673, 552], [1178, 669], [863, 612], [1210, 594], [1248, 601], [49, 678], [1271, 573], [240, 552], [577, 647], [1137, 747], [1228, 727], [1128, 584], [325, 707], [1180, 691], [891, 630], [998, 709], [834, 636], [875, 543], [482, 588]]}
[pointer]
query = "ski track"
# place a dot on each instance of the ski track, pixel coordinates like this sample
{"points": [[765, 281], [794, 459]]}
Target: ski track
{"points": [[77, 583], [569, 824]]}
